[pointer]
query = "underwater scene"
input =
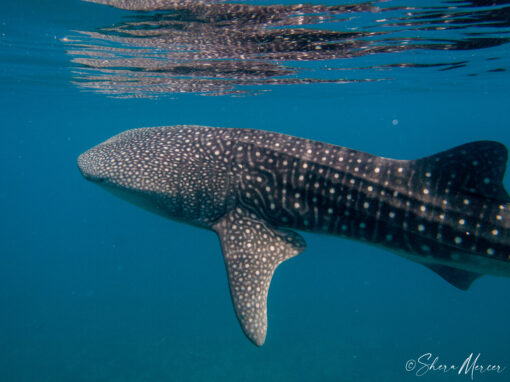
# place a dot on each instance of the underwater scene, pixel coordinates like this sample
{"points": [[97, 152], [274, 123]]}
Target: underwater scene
{"points": [[294, 191]]}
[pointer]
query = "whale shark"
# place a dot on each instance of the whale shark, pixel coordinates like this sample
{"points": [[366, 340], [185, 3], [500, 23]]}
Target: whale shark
{"points": [[254, 188]]}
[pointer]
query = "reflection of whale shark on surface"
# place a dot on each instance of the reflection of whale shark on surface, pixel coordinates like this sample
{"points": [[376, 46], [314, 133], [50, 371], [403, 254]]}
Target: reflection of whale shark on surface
{"points": [[449, 212], [220, 47]]}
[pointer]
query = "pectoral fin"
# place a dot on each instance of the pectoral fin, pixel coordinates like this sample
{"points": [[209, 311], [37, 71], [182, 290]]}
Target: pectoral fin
{"points": [[252, 250], [457, 277]]}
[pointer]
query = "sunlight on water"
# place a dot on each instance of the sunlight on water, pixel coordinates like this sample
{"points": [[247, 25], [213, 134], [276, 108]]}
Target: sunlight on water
{"points": [[216, 48]]}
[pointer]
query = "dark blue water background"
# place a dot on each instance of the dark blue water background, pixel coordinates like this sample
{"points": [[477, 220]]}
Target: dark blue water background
{"points": [[94, 289]]}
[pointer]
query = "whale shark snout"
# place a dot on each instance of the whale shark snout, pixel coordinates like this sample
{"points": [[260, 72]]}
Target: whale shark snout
{"points": [[91, 166], [86, 166]]}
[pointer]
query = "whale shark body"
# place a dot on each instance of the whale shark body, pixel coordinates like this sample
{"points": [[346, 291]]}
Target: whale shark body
{"points": [[449, 211]]}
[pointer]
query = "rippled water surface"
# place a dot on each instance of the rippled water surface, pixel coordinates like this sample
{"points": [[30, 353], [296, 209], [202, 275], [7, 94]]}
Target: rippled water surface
{"points": [[94, 289], [165, 47]]}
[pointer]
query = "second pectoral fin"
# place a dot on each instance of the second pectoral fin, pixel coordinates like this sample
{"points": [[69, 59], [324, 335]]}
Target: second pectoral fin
{"points": [[457, 277], [252, 250]]}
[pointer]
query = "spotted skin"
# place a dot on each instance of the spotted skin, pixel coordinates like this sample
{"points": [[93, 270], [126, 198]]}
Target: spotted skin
{"points": [[252, 251], [449, 211]]}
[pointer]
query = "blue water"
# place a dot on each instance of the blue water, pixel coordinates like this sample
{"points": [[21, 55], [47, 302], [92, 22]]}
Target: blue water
{"points": [[94, 289]]}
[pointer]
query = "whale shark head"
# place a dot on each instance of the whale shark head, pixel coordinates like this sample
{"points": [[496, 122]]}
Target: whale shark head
{"points": [[123, 161], [126, 166], [155, 169]]}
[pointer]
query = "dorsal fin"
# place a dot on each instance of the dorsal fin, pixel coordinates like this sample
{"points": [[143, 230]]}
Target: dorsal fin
{"points": [[252, 251], [475, 168]]}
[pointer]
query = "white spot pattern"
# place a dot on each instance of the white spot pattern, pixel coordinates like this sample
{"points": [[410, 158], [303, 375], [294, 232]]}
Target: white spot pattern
{"points": [[197, 173]]}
